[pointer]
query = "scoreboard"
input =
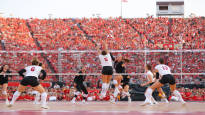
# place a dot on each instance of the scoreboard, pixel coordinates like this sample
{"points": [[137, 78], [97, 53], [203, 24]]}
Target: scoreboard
{"points": [[170, 8]]}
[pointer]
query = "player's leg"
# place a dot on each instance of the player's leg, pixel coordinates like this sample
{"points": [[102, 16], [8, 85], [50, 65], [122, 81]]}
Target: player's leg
{"points": [[104, 86], [37, 98], [116, 82], [76, 93], [176, 93], [109, 73], [85, 93], [149, 91], [4, 92], [126, 92], [162, 95], [43, 93], [20, 89]]}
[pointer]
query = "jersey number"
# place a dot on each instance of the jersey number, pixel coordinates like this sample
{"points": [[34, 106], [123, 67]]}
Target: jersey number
{"points": [[33, 69], [164, 67], [105, 59]]}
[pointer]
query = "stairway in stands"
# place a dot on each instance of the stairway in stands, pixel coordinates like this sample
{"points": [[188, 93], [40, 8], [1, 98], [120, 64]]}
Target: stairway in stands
{"points": [[50, 65], [141, 35]]}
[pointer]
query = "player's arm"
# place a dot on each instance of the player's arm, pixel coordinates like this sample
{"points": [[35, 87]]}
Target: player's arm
{"points": [[113, 58], [149, 77], [21, 72], [98, 50], [43, 72], [106, 47]]}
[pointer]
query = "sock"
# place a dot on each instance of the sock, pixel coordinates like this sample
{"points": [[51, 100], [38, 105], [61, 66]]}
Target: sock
{"points": [[15, 97], [177, 94], [37, 97], [148, 95], [43, 98], [103, 92], [107, 86], [116, 92]]}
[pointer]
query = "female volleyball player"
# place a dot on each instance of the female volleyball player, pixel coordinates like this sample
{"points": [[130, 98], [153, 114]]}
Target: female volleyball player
{"points": [[150, 81], [107, 70], [167, 77], [4, 81], [31, 76], [78, 80], [120, 79]]}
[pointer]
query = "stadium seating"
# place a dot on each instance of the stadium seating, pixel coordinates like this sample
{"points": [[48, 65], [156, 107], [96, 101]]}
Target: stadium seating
{"points": [[121, 34]]}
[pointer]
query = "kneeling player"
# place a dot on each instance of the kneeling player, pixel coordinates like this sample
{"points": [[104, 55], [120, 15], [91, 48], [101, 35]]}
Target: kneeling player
{"points": [[79, 86], [31, 77], [125, 85]]}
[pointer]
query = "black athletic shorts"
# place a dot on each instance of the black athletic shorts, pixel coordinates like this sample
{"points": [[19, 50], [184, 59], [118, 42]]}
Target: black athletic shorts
{"points": [[107, 70], [30, 80], [3, 81], [167, 79]]}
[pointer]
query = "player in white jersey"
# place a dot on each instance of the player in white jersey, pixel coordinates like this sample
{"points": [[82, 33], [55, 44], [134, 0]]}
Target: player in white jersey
{"points": [[31, 76], [166, 77], [107, 71], [150, 81]]}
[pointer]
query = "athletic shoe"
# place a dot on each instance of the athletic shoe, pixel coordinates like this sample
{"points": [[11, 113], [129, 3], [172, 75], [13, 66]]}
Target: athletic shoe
{"points": [[44, 106], [129, 100], [83, 100], [7, 102], [164, 100]]}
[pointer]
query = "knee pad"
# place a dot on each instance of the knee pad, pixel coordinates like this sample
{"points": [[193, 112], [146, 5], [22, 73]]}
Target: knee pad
{"points": [[4, 92], [114, 82]]}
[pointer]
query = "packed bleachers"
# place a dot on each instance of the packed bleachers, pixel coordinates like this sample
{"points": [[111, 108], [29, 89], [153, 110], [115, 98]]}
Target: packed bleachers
{"points": [[122, 34]]}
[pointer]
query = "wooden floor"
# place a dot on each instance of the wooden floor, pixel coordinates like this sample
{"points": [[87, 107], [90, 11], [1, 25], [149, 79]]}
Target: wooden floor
{"points": [[102, 108]]}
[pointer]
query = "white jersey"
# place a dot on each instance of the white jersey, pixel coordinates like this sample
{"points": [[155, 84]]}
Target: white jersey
{"points": [[105, 60], [33, 70], [163, 69], [152, 76]]}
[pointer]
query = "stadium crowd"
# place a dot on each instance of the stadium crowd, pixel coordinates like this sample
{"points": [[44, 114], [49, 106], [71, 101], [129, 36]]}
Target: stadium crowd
{"points": [[122, 34]]}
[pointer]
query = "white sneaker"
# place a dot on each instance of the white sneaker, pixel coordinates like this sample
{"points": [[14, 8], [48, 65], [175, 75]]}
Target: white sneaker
{"points": [[7, 102], [182, 101], [112, 100], [44, 106], [146, 103], [83, 101], [73, 101], [129, 100], [155, 102], [165, 100]]}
